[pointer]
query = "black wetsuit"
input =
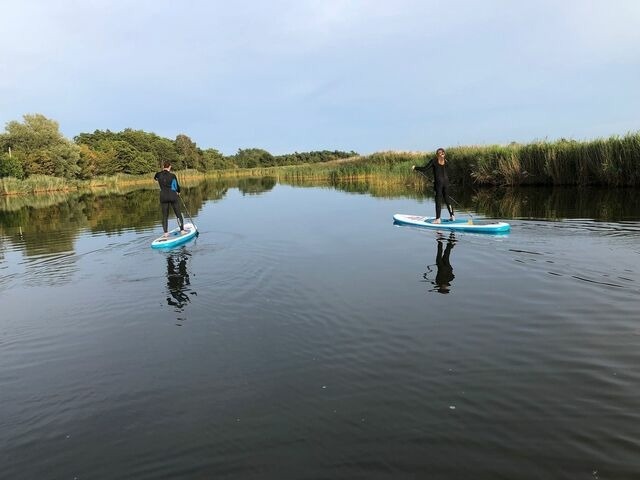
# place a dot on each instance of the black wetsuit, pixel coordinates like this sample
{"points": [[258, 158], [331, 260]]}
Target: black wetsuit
{"points": [[440, 184], [169, 189]]}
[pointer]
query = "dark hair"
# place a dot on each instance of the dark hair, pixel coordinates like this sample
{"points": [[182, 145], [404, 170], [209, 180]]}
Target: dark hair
{"points": [[166, 164], [440, 150]]}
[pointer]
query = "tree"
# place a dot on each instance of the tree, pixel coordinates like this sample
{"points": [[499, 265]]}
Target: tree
{"points": [[144, 162], [189, 155], [11, 166], [253, 157], [214, 160], [151, 150], [124, 155], [41, 147]]}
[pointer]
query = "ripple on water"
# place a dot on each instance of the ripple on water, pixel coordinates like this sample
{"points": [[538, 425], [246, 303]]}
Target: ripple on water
{"points": [[332, 361]]}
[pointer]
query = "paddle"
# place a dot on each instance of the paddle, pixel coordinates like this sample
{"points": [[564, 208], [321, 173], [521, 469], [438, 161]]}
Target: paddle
{"points": [[468, 213], [188, 214]]}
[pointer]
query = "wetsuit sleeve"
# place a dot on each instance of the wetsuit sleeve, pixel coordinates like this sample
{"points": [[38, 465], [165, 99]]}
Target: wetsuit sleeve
{"points": [[155, 177], [426, 168]]}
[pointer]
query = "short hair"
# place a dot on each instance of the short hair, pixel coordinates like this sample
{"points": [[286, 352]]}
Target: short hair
{"points": [[166, 164]]}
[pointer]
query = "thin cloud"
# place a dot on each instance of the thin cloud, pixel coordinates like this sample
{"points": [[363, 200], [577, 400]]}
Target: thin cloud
{"points": [[384, 74]]}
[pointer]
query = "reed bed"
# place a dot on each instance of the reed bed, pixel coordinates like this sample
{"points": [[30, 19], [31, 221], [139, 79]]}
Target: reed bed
{"points": [[37, 184], [34, 184], [612, 162]]}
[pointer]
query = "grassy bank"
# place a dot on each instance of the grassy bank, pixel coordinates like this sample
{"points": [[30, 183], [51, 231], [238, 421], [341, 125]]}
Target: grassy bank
{"points": [[37, 184], [612, 162]]}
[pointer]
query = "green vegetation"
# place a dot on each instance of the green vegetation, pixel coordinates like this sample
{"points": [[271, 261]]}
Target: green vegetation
{"points": [[612, 162], [35, 157], [33, 150]]}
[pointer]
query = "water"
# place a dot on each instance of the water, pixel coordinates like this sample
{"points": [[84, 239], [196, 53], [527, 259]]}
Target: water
{"points": [[303, 335]]}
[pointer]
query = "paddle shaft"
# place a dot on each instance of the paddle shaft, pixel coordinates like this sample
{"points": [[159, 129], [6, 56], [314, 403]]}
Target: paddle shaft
{"points": [[188, 214], [456, 202]]}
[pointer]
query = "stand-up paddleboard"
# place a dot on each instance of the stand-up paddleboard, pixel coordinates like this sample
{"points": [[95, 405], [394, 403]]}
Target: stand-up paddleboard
{"points": [[175, 238], [456, 225]]}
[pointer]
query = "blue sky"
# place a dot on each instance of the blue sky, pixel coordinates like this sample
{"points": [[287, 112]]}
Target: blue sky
{"points": [[301, 75]]}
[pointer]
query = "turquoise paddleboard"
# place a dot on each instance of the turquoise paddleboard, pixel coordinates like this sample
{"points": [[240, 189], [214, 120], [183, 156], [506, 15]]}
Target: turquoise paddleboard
{"points": [[465, 225], [175, 237]]}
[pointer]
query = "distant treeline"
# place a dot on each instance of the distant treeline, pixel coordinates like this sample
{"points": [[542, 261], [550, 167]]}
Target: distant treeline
{"points": [[36, 147]]}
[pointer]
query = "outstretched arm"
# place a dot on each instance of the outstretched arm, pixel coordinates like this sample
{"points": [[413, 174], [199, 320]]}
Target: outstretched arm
{"points": [[425, 168]]}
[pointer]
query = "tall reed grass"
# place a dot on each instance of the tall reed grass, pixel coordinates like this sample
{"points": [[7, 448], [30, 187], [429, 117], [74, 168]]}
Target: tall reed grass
{"points": [[34, 184], [612, 162], [116, 183]]}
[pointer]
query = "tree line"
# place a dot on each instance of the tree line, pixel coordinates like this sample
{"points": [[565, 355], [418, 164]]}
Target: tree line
{"points": [[36, 146]]}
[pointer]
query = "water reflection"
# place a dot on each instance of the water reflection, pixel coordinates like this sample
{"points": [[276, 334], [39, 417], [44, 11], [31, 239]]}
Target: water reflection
{"points": [[256, 185], [444, 271], [35, 217], [178, 281]]}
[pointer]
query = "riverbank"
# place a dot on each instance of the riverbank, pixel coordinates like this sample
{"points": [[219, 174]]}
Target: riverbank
{"points": [[612, 162]]}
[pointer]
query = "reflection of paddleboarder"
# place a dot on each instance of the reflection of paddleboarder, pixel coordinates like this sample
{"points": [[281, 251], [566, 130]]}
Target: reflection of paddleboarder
{"points": [[177, 281], [444, 275]]}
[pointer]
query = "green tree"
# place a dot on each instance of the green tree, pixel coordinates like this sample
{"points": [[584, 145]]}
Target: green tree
{"points": [[189, 155], [124, 156], [11, 166], [165, 150], [214, 160], [41, 147], [150, 149], [144, 162], [253, 157]]}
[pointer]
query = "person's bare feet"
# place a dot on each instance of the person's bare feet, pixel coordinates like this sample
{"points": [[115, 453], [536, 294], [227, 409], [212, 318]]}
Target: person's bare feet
{"points": [[165, 235], [437, 220], [182, 232]]}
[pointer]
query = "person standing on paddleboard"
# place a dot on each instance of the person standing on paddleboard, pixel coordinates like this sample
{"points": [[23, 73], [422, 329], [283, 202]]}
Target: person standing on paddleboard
{"points": [[169, 191], [440, 182]]}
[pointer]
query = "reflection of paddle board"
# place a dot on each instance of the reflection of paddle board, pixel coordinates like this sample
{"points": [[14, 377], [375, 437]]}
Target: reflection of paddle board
{"points": [[457, 225], [175, 238]]}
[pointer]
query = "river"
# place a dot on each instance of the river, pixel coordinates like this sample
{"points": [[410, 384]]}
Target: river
{"points": [[304, 335]]}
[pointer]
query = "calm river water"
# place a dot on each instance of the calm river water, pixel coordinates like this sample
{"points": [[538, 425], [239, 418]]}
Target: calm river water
{"points": [[304, 336]]}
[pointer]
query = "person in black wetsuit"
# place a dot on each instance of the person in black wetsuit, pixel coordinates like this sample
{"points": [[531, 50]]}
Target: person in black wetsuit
{"points": [[440, 182], [169, 191]]}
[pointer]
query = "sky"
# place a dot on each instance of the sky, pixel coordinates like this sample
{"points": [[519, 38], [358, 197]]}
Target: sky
{"points": [[302, 75]]}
